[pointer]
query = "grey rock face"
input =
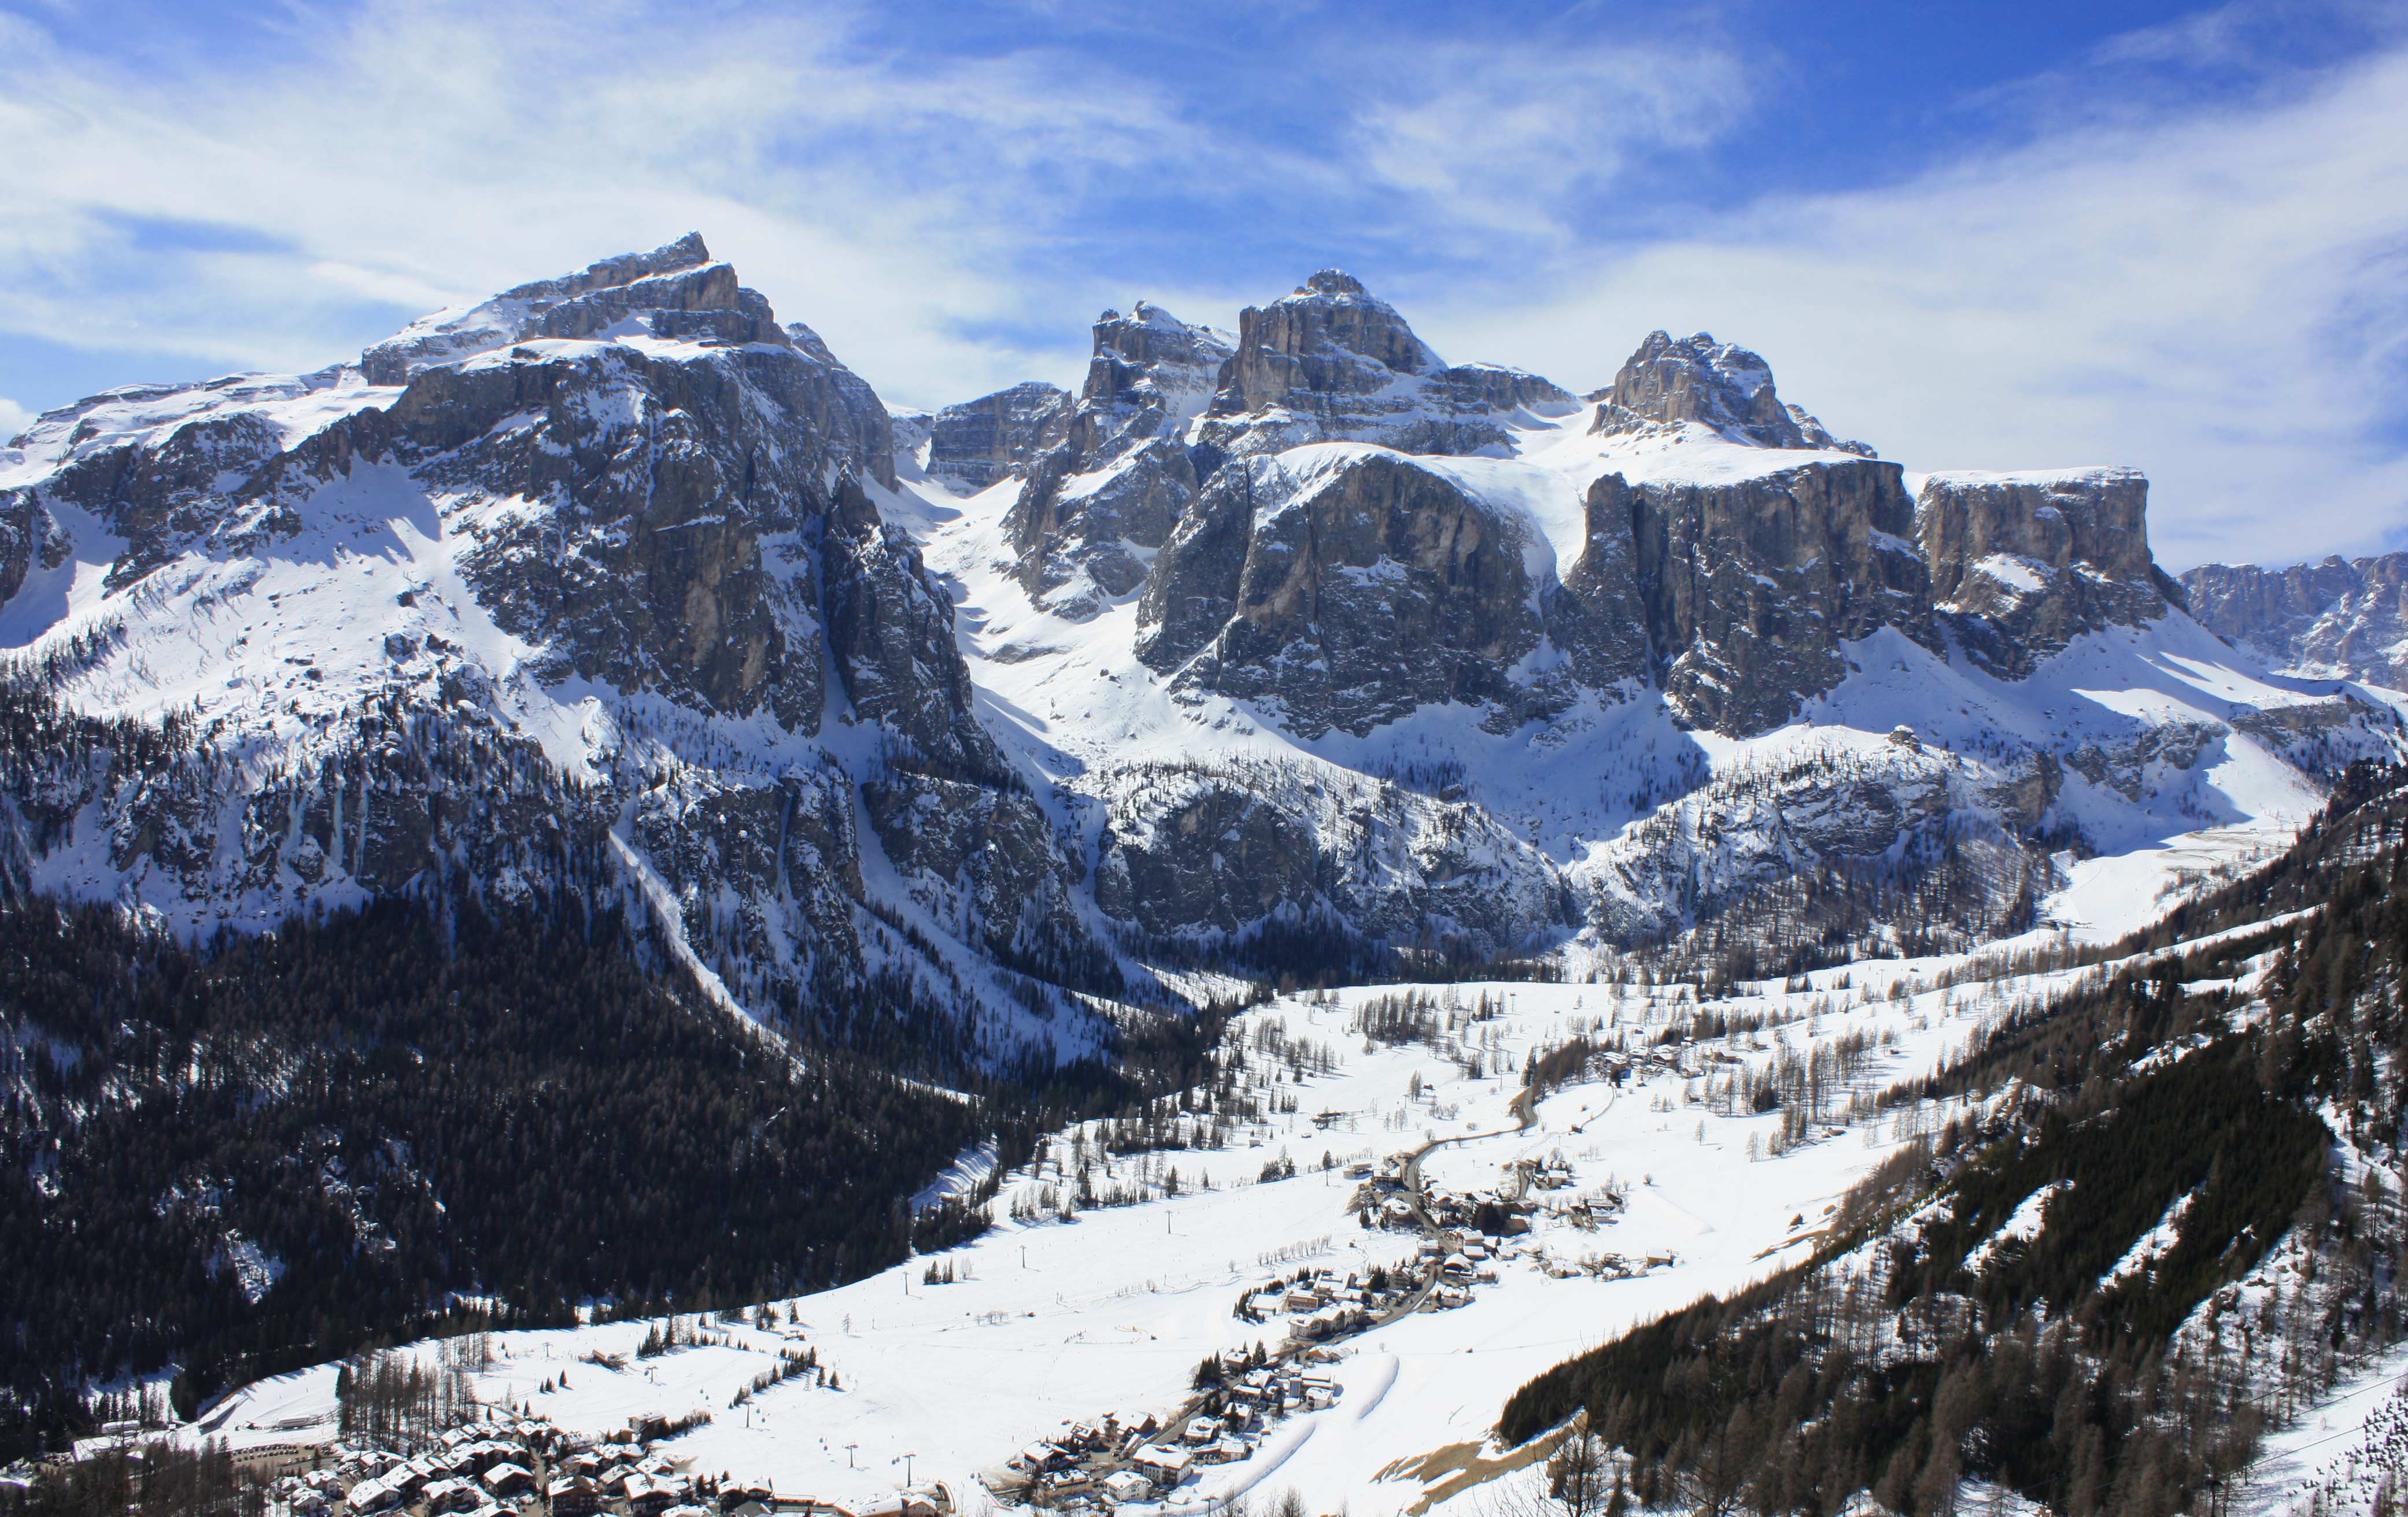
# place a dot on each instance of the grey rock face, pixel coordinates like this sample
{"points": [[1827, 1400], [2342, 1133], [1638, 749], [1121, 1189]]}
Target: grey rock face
{"points": [[1078, 538], [981, 441], [890, 632], [1150, 372], [1223, 849], [1342, 588], [1750, 587], [1091, 507], [996, 869], [2340, 619], [1710, 853], [766, 872], [1367, 586], [159, 487], [1332, 362], [2023, 564], [1596, 614], [1672, 380], [692, 488]]}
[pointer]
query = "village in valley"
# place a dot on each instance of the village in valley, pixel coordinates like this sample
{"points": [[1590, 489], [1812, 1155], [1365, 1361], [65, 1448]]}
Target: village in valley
{"points": [[1324, 1270]]}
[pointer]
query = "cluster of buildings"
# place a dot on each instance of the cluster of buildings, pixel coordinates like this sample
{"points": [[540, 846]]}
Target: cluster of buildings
{"points": [[1323, 1305], [511, 1467], [1093, 1467]]}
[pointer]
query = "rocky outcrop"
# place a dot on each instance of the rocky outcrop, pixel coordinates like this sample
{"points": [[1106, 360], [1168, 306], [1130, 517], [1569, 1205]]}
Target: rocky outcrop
{"points": [[1333, 362], [980, 442], [676, 294], [890, 634], [2022, 563], [1347, 587], [1750, 587], [1899, 808], [1150, 374], [1091, 510], [1344, 587], [2338, 618], [1191, 848], [1674, 380]]}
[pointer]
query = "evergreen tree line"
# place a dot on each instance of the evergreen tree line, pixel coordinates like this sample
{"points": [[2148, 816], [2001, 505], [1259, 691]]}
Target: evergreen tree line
{"points": [[1919, 1346], [384, 1109]]}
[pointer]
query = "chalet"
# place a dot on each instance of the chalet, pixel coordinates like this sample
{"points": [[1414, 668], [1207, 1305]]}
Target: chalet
{"points": [[450, 1494], [574, 1496], [1069, 1481], [1226, 1449], [1127, 1485], [648, 1495], [508, 1479], [372, 1494], [1199, 1430], [1164, 1467]]}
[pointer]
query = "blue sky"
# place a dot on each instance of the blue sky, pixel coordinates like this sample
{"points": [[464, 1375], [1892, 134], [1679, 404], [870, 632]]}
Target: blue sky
{"points": [[1976, 235]]}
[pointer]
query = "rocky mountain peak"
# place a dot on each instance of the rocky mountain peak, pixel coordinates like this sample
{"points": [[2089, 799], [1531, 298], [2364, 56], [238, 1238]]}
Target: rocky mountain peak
{"points": [[1333, 361], [1671, 380], [1119, 472], [1330, 337], [676, 293]]}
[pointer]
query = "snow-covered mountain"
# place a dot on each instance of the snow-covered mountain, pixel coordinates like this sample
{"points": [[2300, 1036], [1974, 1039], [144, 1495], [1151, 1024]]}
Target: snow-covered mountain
{"points": [[1297, 646], [2338, 619]]}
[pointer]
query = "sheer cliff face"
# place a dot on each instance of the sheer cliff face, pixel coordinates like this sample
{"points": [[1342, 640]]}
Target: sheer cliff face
{"points": [[1344, 588], [2022, 563], [2340, 619]]}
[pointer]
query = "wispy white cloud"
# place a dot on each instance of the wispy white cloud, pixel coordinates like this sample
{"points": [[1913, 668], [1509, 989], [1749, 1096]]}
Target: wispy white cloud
{"points": [[1503, 139], [412, 154], [13, 419], [2216, 295]]}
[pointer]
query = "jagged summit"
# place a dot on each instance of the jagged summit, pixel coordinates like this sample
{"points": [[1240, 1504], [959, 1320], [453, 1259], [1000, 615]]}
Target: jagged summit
{"points": [[675, 292], [1333, 361], [1330, 337], [1671, 380]]}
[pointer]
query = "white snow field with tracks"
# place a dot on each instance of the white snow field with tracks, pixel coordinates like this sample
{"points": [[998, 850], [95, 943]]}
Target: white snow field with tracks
{"points": [[1051, 1322]]}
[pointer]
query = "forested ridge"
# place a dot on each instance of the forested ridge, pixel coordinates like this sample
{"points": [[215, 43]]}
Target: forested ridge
{"points": [[282, 1150], [2166, 1101]]}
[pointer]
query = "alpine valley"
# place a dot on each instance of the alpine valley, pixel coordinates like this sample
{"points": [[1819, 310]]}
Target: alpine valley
{"points": [[1306, 924]]}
